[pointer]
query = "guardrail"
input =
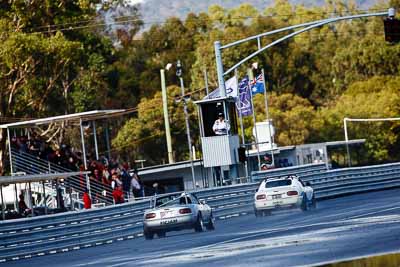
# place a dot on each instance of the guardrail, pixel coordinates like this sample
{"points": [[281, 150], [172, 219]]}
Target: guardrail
{"points": [[50, 234], [307, 169]]}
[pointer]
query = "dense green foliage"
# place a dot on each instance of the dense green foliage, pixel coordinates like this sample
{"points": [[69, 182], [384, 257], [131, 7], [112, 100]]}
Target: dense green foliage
{"points": [[314, 80]]}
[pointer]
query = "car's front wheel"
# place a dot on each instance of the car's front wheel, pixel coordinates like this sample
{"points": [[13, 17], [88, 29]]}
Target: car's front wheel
{"points": [[199, 225], [303, 205], [261, 213], [211, 223], [148, 235], [161, 234], [313, 202], [266, 213]]}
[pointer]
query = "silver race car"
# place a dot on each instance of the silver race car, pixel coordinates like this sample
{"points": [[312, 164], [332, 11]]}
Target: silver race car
{"points": [[175, 212]]}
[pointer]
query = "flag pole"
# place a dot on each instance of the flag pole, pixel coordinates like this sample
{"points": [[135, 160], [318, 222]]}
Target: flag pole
{"points": [[241, 122], [255, 126], [271, 137]]}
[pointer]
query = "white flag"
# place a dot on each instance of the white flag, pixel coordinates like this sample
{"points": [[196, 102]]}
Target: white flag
{"points": [[231, 87]]}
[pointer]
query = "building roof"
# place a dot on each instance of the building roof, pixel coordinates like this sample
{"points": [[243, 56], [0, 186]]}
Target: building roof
{"points": [[169, 167], [342, 143], [6, 180], [264, 149], [277, 150], [84, 116], [219, 99]]}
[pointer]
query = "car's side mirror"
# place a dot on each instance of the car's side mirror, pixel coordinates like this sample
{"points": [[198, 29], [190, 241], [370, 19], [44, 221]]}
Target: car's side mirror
{"points": [[308, 184], [202, 201]]}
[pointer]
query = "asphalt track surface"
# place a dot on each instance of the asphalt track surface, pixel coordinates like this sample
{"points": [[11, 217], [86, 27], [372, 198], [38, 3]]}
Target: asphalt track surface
{"points": [[339, 229]]}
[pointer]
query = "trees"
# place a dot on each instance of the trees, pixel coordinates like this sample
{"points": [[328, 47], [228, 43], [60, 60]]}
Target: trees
{"points": [[377, 97], [313, 79], [32, 68], [45, 71], [293, 117], [144, 136]]}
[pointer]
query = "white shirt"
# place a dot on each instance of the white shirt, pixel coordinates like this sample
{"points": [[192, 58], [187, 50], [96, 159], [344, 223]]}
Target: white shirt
{"points": [[135, 184], [221, 127], [115, 183]]}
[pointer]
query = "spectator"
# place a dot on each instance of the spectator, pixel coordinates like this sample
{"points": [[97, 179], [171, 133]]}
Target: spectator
{"points": [[93, 167], [118, 195], [97, 175], [115, 181], [105, 179], [157, 189], [264, 167], [136, 187], [22, 144], [126, 179], [221, 126], [46, 152], [137, 177], [113, 164], [106, 175], [87, 202], [22, 207], [104, 161], [59, 197], [280, 163], [33, 150], [58, 158], [71, 164], [14, 143]]}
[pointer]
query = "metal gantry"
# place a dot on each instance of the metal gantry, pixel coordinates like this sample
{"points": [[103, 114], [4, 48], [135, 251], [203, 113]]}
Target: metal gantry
{"points": [[305, 27]]}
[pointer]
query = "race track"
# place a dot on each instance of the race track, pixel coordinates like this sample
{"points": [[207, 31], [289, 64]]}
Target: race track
{"points": [[343, 228]]}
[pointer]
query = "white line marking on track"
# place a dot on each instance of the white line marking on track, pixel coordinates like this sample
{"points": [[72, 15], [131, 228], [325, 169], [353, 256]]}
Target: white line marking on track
{"points": [[374, 212]]}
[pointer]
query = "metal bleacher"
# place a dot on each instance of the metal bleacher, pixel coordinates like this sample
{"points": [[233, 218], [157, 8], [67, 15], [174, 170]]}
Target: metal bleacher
{"points": [[29, 164]]}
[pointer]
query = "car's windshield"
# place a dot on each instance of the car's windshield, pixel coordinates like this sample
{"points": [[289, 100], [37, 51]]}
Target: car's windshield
{"points": [[278, 183], [167, 201]]}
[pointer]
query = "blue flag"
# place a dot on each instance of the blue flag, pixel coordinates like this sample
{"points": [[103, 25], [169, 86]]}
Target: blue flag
{"points": [[257, 85], [243, 104]]}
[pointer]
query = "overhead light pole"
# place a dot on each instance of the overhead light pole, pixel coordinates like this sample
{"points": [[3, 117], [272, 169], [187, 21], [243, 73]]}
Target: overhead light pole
{"points": [[166, 117], [184, 100]]}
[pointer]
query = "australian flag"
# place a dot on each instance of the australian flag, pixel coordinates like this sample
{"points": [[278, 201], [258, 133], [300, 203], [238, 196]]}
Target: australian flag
{"points": [[257, 85]]}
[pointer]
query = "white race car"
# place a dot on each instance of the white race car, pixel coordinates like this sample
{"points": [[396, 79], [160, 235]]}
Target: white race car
{"points": [[176, 212], [285, 192]]}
